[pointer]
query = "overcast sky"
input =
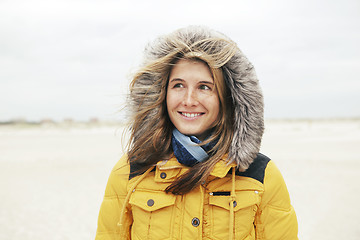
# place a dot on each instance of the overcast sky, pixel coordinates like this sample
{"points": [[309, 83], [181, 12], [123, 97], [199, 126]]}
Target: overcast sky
{"points": [[72, 58]]}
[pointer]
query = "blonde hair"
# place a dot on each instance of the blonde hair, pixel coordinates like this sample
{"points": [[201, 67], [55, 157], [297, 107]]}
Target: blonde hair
{"points": [[151, 128]]}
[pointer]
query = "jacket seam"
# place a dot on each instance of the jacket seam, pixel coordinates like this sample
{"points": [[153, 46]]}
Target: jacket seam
{"points": [[279, 208]]}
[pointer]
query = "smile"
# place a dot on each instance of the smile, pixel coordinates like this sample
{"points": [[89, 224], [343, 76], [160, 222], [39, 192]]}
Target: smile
{"points": [[191, 115]]}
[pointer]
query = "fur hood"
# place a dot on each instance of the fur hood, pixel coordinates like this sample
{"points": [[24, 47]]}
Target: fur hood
{"points": [[240, 77]]}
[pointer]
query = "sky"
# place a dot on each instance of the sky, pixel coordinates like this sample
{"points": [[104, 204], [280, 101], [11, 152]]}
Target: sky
{"points": [[74, 58]]}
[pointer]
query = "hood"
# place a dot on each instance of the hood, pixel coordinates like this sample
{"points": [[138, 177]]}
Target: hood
{"points": [[240, 77]]}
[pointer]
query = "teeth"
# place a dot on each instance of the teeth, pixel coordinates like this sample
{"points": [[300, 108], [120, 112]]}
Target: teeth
{"points": [[191, 115]]}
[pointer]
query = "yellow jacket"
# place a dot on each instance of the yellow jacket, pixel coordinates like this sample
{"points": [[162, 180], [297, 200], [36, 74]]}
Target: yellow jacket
{"points": [[229, 205]]}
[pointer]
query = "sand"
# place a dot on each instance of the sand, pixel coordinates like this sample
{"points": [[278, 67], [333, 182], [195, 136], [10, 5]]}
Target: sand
{"points": [[53, 178]]}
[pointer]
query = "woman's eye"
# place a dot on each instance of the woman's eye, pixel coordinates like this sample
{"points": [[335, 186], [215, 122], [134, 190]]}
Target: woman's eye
{"points": [[205, 87], [178, 85]]}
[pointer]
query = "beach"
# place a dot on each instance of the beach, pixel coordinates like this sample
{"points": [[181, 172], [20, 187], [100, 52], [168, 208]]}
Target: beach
{"points": [[53, 177]]}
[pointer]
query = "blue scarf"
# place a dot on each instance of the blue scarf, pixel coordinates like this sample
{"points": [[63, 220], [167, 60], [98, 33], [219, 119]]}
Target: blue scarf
{"points": [[186, 148]]}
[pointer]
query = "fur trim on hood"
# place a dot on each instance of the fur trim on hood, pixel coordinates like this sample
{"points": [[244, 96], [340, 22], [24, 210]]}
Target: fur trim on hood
{"points": [[239, 75]]}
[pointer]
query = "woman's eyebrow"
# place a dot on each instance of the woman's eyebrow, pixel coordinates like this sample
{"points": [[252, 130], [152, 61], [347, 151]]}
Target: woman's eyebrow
{"points": [[177, 79], [207, 82]]}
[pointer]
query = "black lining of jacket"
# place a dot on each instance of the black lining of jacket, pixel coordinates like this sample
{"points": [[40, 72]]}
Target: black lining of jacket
{"points": [[256, 169], [135, 170]]}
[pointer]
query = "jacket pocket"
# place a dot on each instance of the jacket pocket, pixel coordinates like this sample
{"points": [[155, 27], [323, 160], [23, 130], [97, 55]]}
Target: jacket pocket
{"points": [[245, 209], [152, 214]]}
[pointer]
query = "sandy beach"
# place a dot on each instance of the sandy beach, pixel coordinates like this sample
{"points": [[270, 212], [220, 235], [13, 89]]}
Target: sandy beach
{"points": [[53, 178]]}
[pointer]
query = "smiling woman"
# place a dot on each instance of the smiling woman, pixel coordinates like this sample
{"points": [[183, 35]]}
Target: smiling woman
{"points": [[193, 169], [192, 99]]}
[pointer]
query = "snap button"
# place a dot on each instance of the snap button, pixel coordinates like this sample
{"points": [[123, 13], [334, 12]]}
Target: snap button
{"points": [[195, 222], [163, 175], [234, 203], [150, 202], [256, 192]]}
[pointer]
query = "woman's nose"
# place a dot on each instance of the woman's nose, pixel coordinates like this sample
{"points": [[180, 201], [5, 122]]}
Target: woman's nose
{"points": [[190, 98]]}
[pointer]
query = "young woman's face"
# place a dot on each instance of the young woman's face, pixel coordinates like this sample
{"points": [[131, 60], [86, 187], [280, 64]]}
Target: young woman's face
{"points": [[192, 101]]}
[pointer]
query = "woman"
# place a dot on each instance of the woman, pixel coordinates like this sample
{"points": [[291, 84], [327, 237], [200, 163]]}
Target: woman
{"points": [[193, 168]]}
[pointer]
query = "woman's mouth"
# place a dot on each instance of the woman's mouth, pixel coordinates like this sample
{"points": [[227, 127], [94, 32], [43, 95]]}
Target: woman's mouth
{"points": [[191, 115]]}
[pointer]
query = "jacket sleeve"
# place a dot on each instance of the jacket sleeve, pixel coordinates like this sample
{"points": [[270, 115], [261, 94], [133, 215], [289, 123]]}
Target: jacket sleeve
{"points": [[276, 218], [110, 210]]}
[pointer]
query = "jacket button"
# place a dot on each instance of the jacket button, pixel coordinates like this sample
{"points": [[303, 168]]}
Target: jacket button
{"points": [[234, 203], [195, 222], [150, 202], [163, 175]]}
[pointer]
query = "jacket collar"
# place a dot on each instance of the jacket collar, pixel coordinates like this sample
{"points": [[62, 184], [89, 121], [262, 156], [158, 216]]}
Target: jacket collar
{"points": [[170, 169]]}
